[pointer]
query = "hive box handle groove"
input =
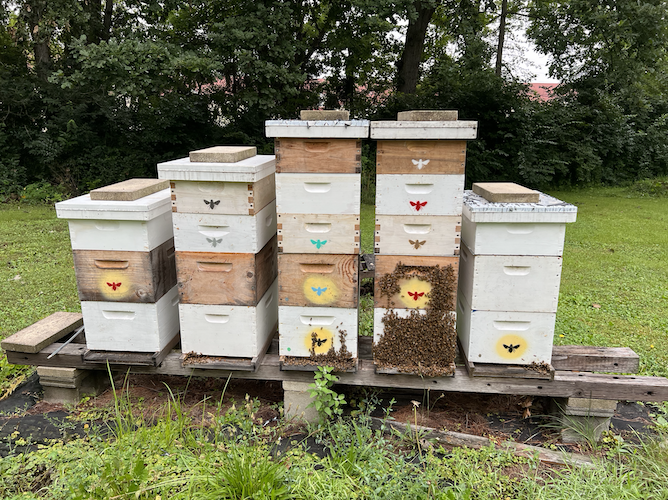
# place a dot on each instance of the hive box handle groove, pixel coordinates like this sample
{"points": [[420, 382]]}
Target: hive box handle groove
{"points": [[318, 227], [317, 187], [214, 267], [317, 268], [419, 188], [111, 264], [417, 228], [316, 320], [516, 270]]}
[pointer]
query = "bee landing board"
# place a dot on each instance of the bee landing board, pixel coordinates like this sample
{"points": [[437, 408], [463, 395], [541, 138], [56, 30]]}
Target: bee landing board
{"points": [[437, 235], [318, 233], [417, 194], [331, 156], [318, 193], [421, 157]]}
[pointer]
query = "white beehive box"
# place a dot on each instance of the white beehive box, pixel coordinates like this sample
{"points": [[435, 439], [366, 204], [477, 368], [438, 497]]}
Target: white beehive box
{"points": [[297, 324], [302, 193], [251, 169], [315, 129], [515, 228], [504, 337], [231, 331], [415, 194], [140, 225], [224, 233], [318, 233], [418, 234], [509, 282], [131, 326]]}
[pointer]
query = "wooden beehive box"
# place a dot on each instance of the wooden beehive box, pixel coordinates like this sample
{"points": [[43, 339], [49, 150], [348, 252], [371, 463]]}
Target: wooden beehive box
{"points": [[437, 235], [322, 155], [318, 233], [318, 193], [226, 278], [318, 280], [421, 157], [229, 330], [419, 194]]}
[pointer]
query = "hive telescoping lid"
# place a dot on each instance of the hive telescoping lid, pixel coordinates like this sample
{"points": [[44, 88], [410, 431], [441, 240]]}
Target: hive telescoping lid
{"points": [[477, 208], [319, 124], [221, 164], [425, 124]]}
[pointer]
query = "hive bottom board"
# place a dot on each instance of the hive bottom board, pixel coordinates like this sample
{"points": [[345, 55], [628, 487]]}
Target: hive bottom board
{"points": [[296, 326], [510, 338], [128, 326], [231, 331]]}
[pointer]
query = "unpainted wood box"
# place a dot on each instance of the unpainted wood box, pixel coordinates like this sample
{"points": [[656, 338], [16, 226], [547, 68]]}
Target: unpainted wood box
{"points": [[229, 330], [318, 233], [332, 156], [421, 157], [413, 292], [224, 233], [418, 235], [318, 193], [242, 198], [226, 278], [505, 337], [130, 326], [107, 275], [318, 280], [296, 326], [509, 282], [418, 194]]}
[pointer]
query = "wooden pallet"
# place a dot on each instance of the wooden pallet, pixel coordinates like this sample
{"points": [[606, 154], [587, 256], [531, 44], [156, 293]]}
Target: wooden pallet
{"points": [[396, 371], [125, 358]]}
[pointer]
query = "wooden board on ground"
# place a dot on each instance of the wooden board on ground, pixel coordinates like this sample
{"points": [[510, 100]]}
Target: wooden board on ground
{"points": [[505, 192], [595, 359], [127, 358], [45, 332], [420, 157], [129, 190], [222, 154], [342, 156]]}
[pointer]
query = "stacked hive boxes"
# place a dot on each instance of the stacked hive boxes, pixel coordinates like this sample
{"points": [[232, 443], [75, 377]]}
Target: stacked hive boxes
{"points": [[224, 212], [510, 270], [318, 202], [419, 187], [124, 262]]}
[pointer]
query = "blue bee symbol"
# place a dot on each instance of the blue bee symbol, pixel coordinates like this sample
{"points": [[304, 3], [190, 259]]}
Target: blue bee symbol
{"points": [[318, 243], [214, 241], [319, 290]]}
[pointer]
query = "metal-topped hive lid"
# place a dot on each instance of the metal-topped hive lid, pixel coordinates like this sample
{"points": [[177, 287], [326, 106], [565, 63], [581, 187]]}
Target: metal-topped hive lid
{"points": [[548, 209], [415, 130], [142, 209], [317, 129]]}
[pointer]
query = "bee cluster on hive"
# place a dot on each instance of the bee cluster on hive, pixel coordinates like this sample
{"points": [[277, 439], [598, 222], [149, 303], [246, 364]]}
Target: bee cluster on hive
{"points": [[341, 360], [424, 344]]}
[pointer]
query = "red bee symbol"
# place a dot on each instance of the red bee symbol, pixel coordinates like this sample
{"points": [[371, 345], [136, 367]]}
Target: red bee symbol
{"points": [[114, 286], [416, 295], [418, 204]]}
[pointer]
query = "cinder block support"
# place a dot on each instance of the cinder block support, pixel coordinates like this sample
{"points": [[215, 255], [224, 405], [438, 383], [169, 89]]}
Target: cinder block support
{"points": [[69, 385], [583, 418], [296, 398]]}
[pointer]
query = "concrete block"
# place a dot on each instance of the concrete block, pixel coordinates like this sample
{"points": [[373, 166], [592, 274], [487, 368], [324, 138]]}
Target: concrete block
{"points": [[428, 115], [62, 395], [296, 399], [585, 407], [69, 385], [129, 190], [223, 154], [505, 192], [583, 429], [55, 372], [324, 114]]}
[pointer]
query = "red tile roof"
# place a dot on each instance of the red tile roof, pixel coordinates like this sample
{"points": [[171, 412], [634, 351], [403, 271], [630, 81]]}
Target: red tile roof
{"points": [[542, 91]]}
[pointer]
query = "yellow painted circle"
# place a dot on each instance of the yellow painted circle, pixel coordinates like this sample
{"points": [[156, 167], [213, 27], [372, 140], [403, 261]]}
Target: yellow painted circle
{"points": [[320, 290], [414, 293], [511, 346], [323, 341], [114, 286]]}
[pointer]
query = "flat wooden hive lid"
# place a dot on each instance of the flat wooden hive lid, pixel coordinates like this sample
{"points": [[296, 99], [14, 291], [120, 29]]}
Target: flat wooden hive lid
{"points": [[249, 170], [505, 192], [428, 115], [129, 190], [142, 209], [317, 129], [222, 154], [324, 114]]}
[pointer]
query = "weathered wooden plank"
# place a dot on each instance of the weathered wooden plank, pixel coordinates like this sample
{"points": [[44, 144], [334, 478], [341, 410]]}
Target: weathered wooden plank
{"points": [[226, 278], [595, 359], [421, 157], [125, 276], [222, 154], [129, 190], [505, 192], [318, 280], [45, 332], [342, 156], [324, 114]]}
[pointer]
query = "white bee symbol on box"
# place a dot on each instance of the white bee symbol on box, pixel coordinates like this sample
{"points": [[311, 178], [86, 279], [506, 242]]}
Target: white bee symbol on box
{"points": [[420, 163]]}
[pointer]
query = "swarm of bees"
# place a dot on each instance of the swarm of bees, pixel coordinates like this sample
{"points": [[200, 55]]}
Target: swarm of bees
{"points": [[424, 344], [341, 360]]}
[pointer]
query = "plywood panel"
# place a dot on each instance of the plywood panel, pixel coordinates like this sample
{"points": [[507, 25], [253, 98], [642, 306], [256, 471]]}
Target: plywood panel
{"points": [[318, 233], [418, 234], [418, 194], [341, 156], [421, 157], [226, 278], [297, 324], [318, 193], [318, 280]]}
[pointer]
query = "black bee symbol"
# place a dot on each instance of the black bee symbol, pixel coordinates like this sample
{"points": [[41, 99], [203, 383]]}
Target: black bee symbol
{"points": [[212, 203], [417, 244], [511, 347], [318, 342]]}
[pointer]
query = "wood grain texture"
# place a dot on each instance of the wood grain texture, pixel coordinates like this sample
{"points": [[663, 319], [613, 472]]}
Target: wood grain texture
{"points": [[341, 156], [125, 276], [318, 280], [419, 194], [431, 115], [318, 233], [436, 235], [595, 359], [226, 278], [324, 114], [129, 190], [421, 157], [46, 331], [505, 192], [318, 193], [385, 264]]}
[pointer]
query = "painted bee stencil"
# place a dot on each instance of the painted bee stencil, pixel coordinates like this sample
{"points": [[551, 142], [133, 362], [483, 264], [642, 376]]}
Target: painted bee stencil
{"points": [[319, 290], [214, 241], [416, 295], [511, 347], [318, 243], [212, 203], [420, 163], [318, 342], [417, 244], [114, 286], [418, 205]]}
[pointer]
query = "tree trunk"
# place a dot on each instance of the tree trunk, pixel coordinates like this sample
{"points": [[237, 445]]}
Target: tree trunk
{"points": [[502, 36], [408, 67], [106, 25]]}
